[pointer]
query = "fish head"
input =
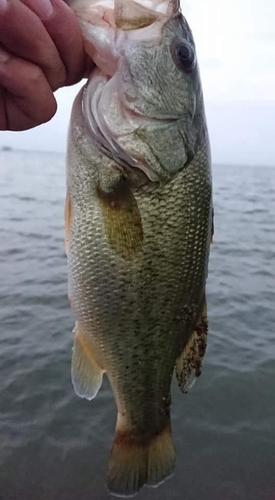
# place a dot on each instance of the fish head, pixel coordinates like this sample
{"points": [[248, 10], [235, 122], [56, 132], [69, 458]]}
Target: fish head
{"points": [[160, 83], [143, 102]]}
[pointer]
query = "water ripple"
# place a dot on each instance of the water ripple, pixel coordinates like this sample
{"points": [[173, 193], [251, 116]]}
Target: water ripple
{"points": [[55, 445]]}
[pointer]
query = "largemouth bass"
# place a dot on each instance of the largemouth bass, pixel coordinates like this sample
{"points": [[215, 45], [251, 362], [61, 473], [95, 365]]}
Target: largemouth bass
{"points": [[138, 225]]}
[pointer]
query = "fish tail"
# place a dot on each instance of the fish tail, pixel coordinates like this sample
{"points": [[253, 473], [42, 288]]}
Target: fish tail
{"points": [[161, 457], [136, 460]]}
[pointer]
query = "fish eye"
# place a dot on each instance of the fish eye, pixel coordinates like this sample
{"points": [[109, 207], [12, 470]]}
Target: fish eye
{"points": [[184, 56]]}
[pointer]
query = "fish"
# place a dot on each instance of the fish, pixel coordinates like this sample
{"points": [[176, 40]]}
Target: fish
{"points": [[138, 226]]}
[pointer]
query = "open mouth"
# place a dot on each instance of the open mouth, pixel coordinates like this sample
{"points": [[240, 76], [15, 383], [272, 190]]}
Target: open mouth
{"points": [[113, 113]]}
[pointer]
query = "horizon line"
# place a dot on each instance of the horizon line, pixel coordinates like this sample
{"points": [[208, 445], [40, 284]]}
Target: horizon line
{"points": [[10, 149]]}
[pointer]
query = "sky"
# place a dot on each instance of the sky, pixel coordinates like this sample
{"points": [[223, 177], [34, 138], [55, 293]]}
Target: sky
{"points": [[236, 51]]}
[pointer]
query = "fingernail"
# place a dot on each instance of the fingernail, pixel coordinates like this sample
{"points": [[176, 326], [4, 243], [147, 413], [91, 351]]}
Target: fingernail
{"points": [[43, 8], [3, 55], [3, 5]]}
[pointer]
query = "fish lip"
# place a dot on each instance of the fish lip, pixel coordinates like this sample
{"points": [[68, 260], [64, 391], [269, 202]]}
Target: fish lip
{"points": [[109, 146]]}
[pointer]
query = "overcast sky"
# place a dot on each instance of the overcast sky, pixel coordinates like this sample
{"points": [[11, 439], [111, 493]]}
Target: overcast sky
{"points": [[236, 50]]}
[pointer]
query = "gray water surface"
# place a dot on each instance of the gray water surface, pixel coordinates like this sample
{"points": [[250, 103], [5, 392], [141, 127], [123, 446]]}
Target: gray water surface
{"points": [[55, 446]]}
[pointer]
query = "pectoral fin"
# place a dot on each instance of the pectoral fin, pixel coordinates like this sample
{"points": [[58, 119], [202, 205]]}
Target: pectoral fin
{"points": [[189, 363], [122, 220], [86, 374]]}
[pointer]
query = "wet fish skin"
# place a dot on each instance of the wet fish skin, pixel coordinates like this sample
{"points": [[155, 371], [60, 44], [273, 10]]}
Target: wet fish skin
{"points": [[137, 283]]}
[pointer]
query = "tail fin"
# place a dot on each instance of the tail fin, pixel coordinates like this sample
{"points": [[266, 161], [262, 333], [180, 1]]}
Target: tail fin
{"points": [[135, 462]]}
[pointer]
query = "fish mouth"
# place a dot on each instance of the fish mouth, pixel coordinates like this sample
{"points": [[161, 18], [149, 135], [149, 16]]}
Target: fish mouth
{"points": [[107, 27], [105, 141]]}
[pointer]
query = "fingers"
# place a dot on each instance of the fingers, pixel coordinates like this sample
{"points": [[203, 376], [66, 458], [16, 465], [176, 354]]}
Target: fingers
{"points": [[23, 34], [64, 30], [49, 37], [42, 50], [26, 99]]}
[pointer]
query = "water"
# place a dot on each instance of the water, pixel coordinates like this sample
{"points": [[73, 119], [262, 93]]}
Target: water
{"points": [[55, 446]]}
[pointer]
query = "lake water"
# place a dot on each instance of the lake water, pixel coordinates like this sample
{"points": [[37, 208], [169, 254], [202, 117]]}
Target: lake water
{"points": [[55, 446]]}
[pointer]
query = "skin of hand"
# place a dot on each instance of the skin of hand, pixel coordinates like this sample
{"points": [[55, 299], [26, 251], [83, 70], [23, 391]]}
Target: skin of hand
{"points": [[41, 50]]}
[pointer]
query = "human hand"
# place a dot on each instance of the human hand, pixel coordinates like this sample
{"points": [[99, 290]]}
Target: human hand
{"points": [[41, 50]]}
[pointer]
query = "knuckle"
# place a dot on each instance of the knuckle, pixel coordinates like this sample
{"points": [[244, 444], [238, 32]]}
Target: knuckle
{"points": [[35, 77]]}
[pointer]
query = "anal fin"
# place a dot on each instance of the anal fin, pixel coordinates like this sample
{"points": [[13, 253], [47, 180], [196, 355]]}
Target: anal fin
{"points": [[189, 363], [86, 374]]}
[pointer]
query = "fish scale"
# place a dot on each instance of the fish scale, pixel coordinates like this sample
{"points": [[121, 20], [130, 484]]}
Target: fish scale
{"points": [[157, 281], [138, 236]]}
